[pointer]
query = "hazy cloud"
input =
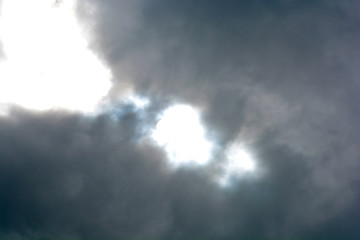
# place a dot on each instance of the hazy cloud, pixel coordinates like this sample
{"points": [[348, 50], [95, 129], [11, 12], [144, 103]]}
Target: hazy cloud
{"points": [[280, 76], [65, 175]]}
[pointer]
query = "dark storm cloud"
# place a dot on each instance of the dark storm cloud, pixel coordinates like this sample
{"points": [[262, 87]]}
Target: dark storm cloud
{"points": [[65, 176], [74, 177], [280, 75]]}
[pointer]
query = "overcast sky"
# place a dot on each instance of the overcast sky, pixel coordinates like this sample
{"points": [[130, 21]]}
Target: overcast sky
{"points": [[279, 76]]}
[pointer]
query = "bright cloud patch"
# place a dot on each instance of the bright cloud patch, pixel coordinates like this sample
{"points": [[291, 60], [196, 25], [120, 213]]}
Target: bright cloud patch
{"points": [[47, 63], [180, 132], [238, 162], [139, 102]]}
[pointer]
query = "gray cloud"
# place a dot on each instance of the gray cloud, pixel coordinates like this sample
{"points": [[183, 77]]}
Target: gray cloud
{"points": [[255, 67], [74, 177], [204, 52], [280, 75]]}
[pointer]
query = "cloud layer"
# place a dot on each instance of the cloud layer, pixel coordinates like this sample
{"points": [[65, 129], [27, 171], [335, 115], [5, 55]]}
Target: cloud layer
{"points": [[280, 76]]}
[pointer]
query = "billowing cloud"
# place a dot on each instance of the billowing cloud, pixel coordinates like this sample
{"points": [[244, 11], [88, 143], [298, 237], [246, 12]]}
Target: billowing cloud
{"points": [[279, 77]]}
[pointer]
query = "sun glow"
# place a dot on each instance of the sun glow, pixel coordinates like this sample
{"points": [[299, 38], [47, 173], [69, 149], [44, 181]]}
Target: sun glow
{"points": [[239, 161], [180, 132], [47, 63]]}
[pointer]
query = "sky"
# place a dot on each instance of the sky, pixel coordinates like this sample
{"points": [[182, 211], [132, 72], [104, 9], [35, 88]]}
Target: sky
{"points": [[169, 119]]}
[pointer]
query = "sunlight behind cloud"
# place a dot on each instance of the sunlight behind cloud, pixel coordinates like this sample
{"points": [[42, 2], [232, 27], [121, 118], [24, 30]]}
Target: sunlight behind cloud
{"points": [[138, 101], [180, 132], [239, 161], [47, 63]]}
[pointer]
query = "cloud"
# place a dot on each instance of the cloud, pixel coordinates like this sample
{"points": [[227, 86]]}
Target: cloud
{"points": [[219, 55], [280, 76], [2, 54], [68, 176], [65, 175], [1, 51], [254, 67]]}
